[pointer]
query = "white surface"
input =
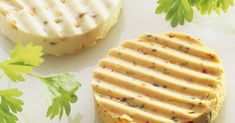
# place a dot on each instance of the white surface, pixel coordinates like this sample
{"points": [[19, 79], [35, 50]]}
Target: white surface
{"points": [[137, 17], [72, 26]]}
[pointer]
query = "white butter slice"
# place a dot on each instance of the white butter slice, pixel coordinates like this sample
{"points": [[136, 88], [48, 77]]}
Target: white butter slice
{"points": [[60, 26], [159, 78]]}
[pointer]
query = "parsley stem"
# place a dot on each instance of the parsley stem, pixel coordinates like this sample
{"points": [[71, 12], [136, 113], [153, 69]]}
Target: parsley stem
{"points": [[2, 75], [43, 80], [35, 76]]}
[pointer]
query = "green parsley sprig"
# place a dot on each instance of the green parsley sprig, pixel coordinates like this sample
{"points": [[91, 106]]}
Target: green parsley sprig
{"points": [[62, 87], [22, 61], [179, 11], [10, 105]]}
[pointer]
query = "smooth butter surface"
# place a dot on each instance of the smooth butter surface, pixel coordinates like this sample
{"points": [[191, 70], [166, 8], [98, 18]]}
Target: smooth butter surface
{"points": [[159, 78]]}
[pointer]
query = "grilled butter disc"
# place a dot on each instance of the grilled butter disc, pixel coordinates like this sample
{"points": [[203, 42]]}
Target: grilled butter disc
{"points": [[60, 26], [159, 78]]}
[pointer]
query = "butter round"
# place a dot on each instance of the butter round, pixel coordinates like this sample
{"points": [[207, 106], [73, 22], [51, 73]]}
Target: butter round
{"points": [[159, 78], [60, 26]]}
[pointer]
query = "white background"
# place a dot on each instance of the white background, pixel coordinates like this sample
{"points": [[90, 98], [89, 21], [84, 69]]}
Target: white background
{"points": [[136, 18]]}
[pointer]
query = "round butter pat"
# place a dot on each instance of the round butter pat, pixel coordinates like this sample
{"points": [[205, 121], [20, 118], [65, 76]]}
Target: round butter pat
{"points": [[60, 26], [159, 78]]}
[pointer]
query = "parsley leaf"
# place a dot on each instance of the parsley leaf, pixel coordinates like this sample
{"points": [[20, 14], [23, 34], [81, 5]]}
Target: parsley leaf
{"points": [[10, 105], [62, 88], [22, 60], [179, 11]]}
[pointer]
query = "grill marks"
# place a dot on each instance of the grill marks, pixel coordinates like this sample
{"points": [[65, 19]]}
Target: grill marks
{"points": [[55, 18], [62, 17], [47, 17], [147, 89], [140, 116], [152, 81], [176, 43], [155, 78], [162, 66], [149, 106], [173, 56], [26, 17], [130, 97]]}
